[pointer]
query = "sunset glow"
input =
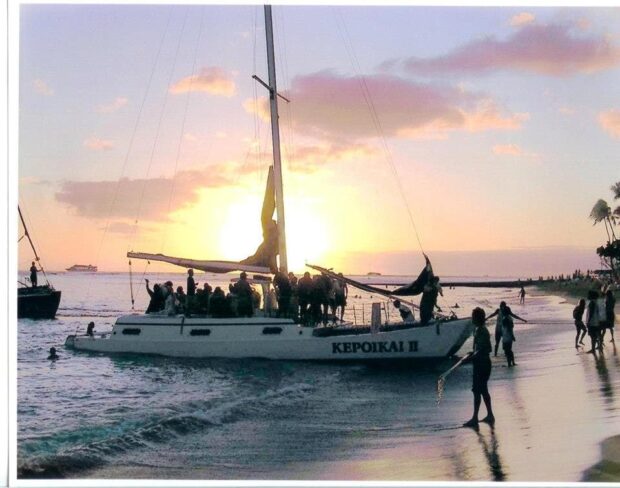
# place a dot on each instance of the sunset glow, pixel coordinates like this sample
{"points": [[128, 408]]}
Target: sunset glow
{"points": [[408, 128]]}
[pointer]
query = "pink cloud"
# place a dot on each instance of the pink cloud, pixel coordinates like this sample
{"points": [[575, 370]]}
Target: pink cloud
{"points": [[507, 150], [522, 19], [42, 88], [98, 144], [113, 106], [330, 106], [553, 50], [610, 122], [212, 80]]}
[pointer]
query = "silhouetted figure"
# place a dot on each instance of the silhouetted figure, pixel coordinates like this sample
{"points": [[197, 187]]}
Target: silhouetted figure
{"points": [[578, 312], [522, 296], [502, 311], [481, 361], [157, 302], [283, 293], [593, 320], [610, 315], [304, 295], [508, 338], [191, 284], [217, 303], [181, 299], [341, 294], [243, 291], [405, 312], [33, 275], [90, 330], [428, 302], [53, 356]]}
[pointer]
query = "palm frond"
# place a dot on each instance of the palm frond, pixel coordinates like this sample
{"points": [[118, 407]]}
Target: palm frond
{"points": [[600, 211]]}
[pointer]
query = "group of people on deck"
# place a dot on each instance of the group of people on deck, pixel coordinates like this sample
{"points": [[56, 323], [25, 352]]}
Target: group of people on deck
{"points": [[309, 298], [600, 317]]}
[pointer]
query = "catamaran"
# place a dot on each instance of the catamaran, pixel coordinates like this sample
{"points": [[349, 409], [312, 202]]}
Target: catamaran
{"points": [[264, 335]]}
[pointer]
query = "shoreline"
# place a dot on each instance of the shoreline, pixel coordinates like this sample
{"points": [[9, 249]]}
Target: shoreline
{"points": [[608, 467]]}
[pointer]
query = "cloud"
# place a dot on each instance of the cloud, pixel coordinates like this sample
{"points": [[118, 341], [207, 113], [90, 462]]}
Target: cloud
{"points": [[211, 79], [98, 144], [522, 19], [552, 50], [330, 106], [147, 198], [113, 106], [610, 122], [507, 150], [42, 88]]}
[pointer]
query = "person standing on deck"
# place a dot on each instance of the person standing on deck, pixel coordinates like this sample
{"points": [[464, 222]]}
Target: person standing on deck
{"points": [[522, 296], [581, 327], [243, 290], [429, 299], [33, 275], [304, 295], [283, 293], [480, 358], [592, 320], [342, 293]]}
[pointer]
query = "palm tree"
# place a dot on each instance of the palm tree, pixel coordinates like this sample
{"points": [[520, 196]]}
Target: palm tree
{"points": [[601, 212], [615, 188]]}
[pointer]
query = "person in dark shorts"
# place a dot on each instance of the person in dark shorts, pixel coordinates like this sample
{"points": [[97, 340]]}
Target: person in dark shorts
{"points": [[579, 325], [33, 275], [481, 361], [593, 320], [508, 338], [610, 314]]}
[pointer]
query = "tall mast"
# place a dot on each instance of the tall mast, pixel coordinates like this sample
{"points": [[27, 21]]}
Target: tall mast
{"points": [[36, 257], [275, 136]]}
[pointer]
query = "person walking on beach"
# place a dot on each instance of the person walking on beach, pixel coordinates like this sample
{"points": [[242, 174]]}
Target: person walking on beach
{"points": [[501, 312], [508, 338], [522, 296], [581, 327], [593, 320], [480, 358], [610, 314]]}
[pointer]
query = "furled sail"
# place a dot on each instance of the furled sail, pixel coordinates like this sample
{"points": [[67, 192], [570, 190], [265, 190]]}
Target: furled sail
{"points": [[266, 253], [208, 266], [417, 286], [262, 261]]}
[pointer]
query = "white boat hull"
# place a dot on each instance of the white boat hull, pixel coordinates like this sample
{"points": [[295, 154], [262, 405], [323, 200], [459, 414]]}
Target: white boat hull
{"points": [[270, 338]]}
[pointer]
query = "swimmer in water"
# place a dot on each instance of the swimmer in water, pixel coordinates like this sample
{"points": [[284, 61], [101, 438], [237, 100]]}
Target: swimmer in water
{"points": [[53, 356]]}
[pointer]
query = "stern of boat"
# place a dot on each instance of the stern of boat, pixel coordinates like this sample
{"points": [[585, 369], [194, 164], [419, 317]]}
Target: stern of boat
{"points": [[70, 341]]}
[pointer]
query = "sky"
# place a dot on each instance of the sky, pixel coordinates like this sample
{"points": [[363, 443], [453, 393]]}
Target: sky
{"points": [[465, 132]]}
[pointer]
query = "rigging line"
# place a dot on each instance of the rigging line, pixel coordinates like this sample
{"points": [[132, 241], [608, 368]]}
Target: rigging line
{"points": [[132, 138], [27, 234], [184, 121], [376, 121], [159, 124]]}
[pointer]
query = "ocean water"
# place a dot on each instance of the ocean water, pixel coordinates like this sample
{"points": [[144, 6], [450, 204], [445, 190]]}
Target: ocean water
{"points": [[92, 416]]}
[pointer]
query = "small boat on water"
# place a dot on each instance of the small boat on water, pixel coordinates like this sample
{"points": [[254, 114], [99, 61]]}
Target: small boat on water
{"points": [[264, 334], [83, 268], [36, 302]]}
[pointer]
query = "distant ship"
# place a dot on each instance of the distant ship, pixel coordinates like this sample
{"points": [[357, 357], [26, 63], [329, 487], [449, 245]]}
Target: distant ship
{"points": [[373, 273], [83, 268]]}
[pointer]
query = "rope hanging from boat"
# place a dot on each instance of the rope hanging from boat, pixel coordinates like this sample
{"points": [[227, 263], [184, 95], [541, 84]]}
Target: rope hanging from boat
{"points": [[375, 119], [131, 286]]}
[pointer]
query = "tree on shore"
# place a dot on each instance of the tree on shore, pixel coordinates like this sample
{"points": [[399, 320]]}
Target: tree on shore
{"points": [[602, 212]]}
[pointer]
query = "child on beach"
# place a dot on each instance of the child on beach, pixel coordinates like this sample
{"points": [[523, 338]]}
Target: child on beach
{"points": [[501, 312], [508, 337], [593, 320], [482, 368]]}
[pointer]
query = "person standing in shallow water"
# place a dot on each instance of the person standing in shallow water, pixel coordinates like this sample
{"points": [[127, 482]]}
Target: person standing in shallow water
{"points": [[481, 360], [579, 325], [610, 314], [501, 312], [522, 296], [593, 320]]}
